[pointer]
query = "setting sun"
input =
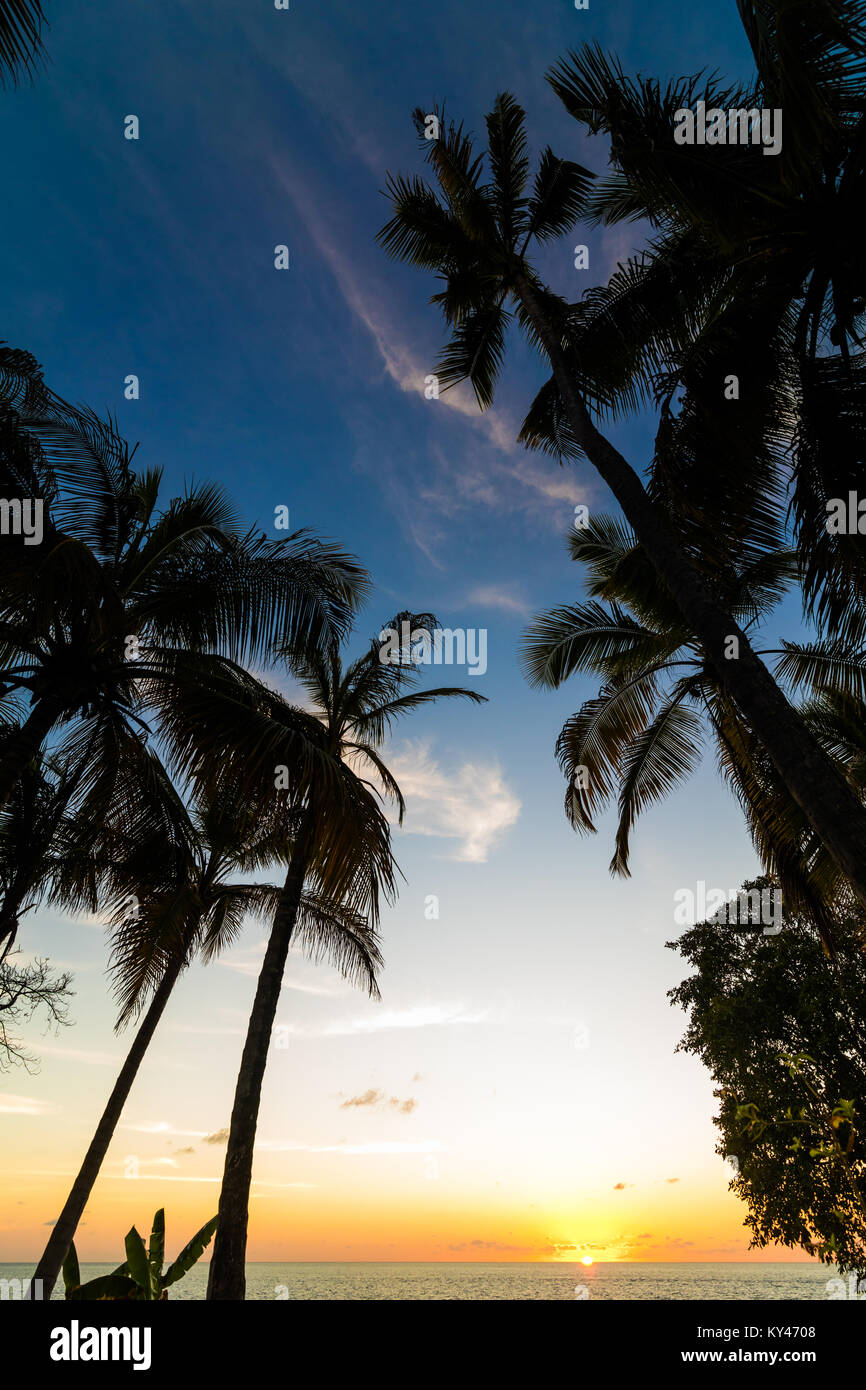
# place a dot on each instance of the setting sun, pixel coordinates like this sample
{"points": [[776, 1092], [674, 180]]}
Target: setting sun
{"points": [[586, 1260]]}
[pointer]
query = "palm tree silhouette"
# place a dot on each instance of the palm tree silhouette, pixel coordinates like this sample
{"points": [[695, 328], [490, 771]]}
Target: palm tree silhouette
{"points": [[155, 941], [342, 844], [645, 731], [754, 269], [120, 598], [476, 236]]}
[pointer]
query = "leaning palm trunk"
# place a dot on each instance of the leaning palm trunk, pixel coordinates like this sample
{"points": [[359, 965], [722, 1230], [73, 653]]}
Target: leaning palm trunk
{"points": [[65, 1227], [8, 930], [227, 1277], [815, 783], [24, 744]]}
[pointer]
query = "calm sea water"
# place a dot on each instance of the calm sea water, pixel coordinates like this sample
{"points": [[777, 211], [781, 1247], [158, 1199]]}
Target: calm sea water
{"points": [[607, 1282]]}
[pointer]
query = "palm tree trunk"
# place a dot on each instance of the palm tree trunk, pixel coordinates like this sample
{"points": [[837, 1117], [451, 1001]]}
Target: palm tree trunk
{"points": [[813, 780], [8, 930], [24, 744], [67, 1223], [227, 1276]]}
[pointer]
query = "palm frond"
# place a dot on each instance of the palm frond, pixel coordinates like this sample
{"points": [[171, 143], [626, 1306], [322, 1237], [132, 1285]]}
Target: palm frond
{"points": [[560, 195], [509, 165], [659, 758], [587, 637], [476, 351], [327, 930], [21, 48]]}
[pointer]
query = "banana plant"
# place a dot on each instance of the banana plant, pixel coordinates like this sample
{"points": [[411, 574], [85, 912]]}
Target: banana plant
{"points": [[141, 1276]]}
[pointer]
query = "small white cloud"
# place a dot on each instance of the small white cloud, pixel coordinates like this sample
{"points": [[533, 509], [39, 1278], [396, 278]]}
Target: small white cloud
{"points": [[495, 596], [163, 1127], [473, 805]]}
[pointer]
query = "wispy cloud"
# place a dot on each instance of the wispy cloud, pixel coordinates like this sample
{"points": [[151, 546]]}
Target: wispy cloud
{"points": [[206, 1032], [170, 1177], [192, 1177], [497, 596], [316, 74], [648, 1245], [497, 1245], [363, 294], [421, 1016], [248, 961], [550, 1247], [374, 1099], [378, 1146], [366, 1098], [487, 468], [472, 804], [164, 1127], [23, 1105], [85, 1057], [260, 1182]]}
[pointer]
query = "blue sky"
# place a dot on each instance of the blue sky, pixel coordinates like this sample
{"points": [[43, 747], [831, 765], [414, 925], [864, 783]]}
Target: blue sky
{"points": [[155, 257]]}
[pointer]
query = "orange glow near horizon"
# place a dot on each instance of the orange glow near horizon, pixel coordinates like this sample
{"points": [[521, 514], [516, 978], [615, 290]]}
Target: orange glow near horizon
{"points": [[322, 1225], [406, 1132]]}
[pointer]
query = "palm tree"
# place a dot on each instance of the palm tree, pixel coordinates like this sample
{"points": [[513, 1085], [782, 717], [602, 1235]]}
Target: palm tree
{"points": [[202, 915], [119, 597], [643, 734], [60, 833], [38, 857], [476, 237], [341, 844], [755, 268], [21, 24], [66, 827], [32, 826]]}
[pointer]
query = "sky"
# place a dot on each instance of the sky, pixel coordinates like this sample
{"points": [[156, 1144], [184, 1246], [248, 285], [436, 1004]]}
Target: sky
{"points": [[516, 1094]]}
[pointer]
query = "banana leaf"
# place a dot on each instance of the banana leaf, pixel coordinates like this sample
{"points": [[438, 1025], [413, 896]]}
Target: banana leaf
{"points": [[106, 1286], [136, 1258], [156, 1251], [190, 1253]]}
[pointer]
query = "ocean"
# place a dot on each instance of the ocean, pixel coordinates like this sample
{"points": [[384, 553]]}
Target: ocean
{"points": [[609, 1283]]}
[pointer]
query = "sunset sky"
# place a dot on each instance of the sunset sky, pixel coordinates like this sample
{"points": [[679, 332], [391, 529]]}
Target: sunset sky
{"points": [[515, 1095]]}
